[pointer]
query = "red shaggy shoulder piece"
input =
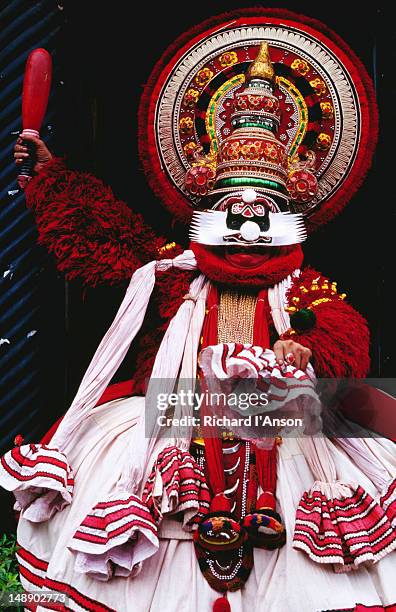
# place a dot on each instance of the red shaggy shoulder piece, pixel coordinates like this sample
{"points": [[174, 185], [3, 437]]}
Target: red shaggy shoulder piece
{"points": [[93, 235], [340, 339], [307, 276], [99, 239]]}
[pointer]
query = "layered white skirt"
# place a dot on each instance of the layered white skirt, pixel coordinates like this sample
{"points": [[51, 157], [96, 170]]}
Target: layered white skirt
{"points": [[284, 580]]}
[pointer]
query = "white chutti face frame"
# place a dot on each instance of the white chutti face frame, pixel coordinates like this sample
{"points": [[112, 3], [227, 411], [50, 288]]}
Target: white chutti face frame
{"points": [[210, 227]]}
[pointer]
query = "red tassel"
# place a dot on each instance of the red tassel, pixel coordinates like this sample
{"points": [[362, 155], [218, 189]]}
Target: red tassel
{"points": [[260, 329], [220, 503], [18, 441], [221, 605], [266, 468], [266, 500]]}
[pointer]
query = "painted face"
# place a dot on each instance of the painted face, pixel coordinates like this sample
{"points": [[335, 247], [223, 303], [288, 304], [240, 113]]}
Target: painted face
{"points": [[240, 212], [247, 219]]}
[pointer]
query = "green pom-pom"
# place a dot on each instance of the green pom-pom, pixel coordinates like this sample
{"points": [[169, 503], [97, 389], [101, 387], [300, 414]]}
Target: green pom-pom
{"points": [[303, 320]]}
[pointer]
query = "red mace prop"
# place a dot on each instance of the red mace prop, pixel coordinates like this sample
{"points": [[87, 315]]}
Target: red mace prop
{"points": [[35, 94]]}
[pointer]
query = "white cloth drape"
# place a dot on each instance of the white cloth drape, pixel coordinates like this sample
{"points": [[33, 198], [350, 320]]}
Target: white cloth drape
{"points": [[116, 342]]}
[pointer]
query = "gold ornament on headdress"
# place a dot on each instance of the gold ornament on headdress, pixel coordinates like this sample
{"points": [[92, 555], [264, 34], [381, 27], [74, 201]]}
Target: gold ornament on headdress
{"points": [[261, 67]]}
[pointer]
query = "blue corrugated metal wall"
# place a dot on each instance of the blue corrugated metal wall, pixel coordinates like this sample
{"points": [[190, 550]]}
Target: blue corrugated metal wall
{"points": [[23, 27]]}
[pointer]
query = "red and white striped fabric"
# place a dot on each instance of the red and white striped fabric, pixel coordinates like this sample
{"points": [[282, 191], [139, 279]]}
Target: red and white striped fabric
{"points": [[40, 478], [34, 579], [345, 532], [232, 361], [177, 484], [339, 523], [115, 538], [32, 570], [246, 361], [388, 502]]}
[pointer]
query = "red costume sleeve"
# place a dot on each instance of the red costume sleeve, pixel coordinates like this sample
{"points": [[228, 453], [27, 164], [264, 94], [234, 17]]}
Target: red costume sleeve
{"points": [[99, 239], [340, 338], [93, 235]]}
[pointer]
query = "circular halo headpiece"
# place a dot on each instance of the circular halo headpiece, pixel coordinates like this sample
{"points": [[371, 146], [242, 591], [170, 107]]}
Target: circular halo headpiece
{"points": [[258, 98]]}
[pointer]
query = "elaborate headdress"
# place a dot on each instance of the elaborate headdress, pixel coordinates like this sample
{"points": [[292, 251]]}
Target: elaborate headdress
{"points": [[260, 100], [251, 168]]}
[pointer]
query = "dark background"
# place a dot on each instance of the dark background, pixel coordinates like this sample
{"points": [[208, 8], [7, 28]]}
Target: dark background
{"points": [[103, 54]]}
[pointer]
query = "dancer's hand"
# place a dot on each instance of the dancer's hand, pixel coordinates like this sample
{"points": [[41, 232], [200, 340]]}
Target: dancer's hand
{"points": [[41, 155], [288, 351]]}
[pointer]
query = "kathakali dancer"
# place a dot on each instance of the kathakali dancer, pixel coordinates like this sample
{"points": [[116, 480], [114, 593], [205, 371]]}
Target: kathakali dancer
{"points": [[256, 128]]}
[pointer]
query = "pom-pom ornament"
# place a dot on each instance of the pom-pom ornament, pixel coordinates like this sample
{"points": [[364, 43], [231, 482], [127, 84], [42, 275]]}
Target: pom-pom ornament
{"points": [[250, 231], [264, 525], [249, 196], [218, 530], [303, 320]]}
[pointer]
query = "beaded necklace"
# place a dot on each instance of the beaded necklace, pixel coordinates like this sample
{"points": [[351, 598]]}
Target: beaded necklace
{"points": [[236, 316]]}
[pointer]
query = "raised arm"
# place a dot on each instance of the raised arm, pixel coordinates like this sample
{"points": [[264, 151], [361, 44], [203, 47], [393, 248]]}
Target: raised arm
{"points": [[93, 235]]}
